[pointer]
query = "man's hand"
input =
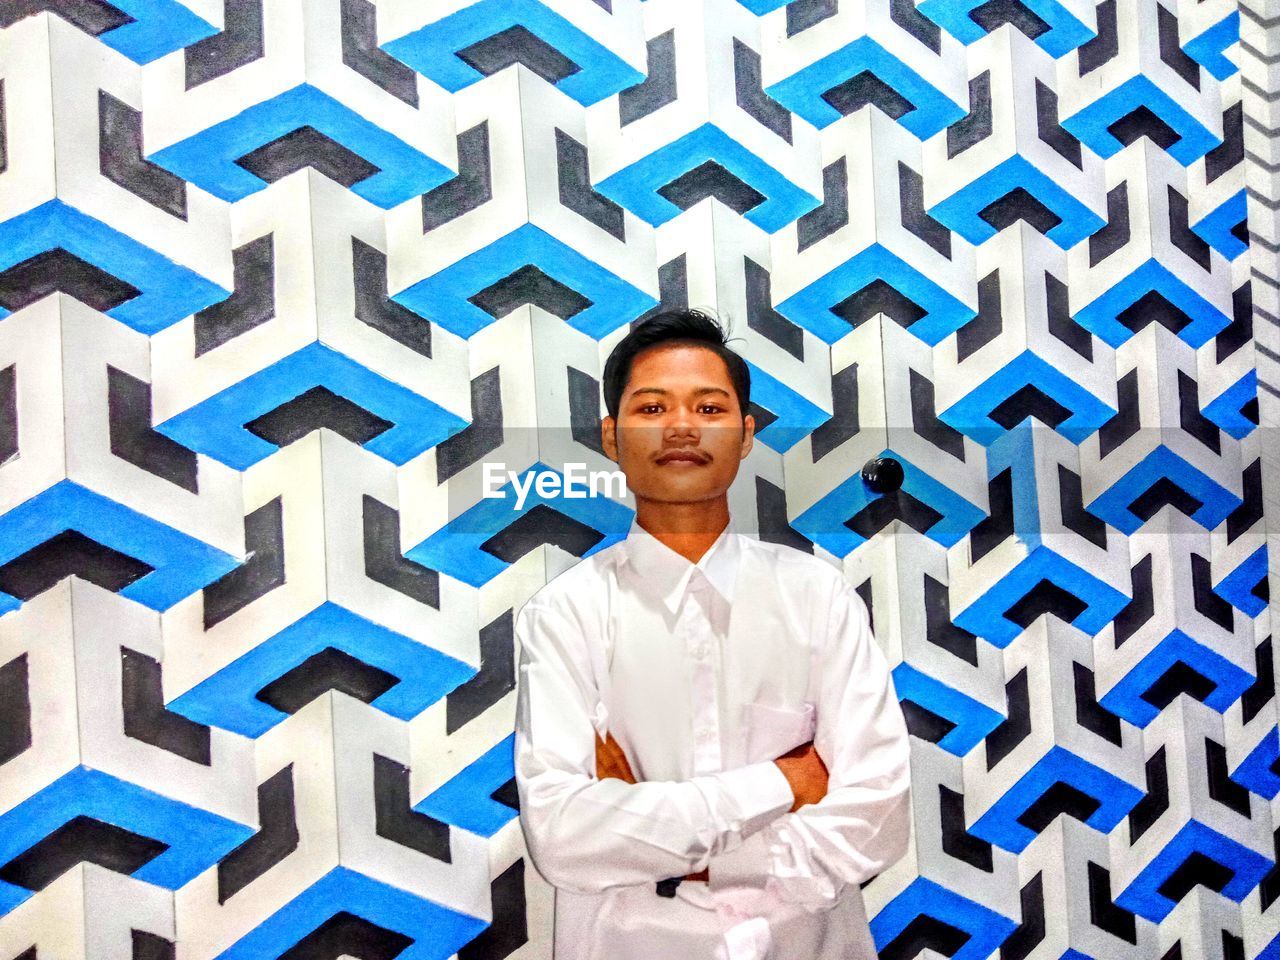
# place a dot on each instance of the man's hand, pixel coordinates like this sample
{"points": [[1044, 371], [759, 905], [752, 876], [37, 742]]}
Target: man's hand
{"points": [[806, 773], [611, 762]]}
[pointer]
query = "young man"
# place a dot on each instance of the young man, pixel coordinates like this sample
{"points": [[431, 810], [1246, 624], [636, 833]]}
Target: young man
{"points": [[710, 754]]}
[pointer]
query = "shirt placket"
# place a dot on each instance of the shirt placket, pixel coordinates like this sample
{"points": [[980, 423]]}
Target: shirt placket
{"points": [[703, 648]]}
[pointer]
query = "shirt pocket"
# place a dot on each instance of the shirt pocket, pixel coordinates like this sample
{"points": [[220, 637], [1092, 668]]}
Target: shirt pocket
{"points": [[772, 731]]}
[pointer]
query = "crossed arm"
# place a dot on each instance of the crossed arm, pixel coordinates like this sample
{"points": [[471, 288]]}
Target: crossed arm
{"points": [[804, 835]]}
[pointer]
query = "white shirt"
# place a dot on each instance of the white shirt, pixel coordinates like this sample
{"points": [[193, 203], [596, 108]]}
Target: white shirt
{"points": [[704, 673]]}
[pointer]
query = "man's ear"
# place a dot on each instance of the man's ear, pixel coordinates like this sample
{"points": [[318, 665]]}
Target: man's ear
{"points": [[609, 438], [748, 435]]}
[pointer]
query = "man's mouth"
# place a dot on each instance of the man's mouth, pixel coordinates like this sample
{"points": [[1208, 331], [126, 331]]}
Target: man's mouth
{"points": [[686, 458]]}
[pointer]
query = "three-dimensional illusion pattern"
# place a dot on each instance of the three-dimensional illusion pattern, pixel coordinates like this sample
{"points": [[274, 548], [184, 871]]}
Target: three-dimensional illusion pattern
{"points": [[279, 277]]}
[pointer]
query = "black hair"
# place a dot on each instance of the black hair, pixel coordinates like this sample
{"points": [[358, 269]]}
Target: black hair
{"points": [[682, 326]]}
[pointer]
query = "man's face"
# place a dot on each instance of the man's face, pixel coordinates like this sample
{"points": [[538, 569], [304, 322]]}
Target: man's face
{"points": [[679, 400]]}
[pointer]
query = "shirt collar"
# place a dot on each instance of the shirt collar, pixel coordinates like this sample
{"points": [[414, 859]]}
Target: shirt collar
{"points": [[666, 573]]}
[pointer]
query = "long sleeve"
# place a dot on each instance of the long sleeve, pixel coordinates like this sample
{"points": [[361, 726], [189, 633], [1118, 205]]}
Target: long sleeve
{"points": [[863, 824], [586, 835]]}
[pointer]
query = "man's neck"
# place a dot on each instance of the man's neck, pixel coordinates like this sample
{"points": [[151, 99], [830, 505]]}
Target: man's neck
{"points": [[688, 533]]}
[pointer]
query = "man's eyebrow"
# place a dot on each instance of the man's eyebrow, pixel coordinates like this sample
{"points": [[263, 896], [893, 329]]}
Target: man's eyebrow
{"points": [[697, 393]]}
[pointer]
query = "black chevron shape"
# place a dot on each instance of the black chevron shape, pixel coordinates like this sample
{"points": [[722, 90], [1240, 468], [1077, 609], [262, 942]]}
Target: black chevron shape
{"points": [[864, 590], [145, 945], [1191, 419], [65, 554], [885, 509], [395, 818], [1141, 608], [8, 413], [659, 85], [1029, 401], [1074, 516], [976, 125], [924, 417], [307, 147], [1017, 205], [1232, 946], [1171, 51], [1062, 326], [761, 316], [957, 842], [1179, 678], [94, 17], [939, 628], [771, 517], [762, 417], [239, 43], [584, 408], [1016, 726], [148, 720], [384, 562], [472, 187], [803, 14], [1156, 799], [315, 408], [528, 284], [374, 308], [1180, 232], [1241, 232], [1198, 869], [710, 179], [988, 323], [1269, 888], [911, 210], [1050, 130], [276, 838], [850, 96], [1142, 122], [1046, 597], [509, 930], [673, 294], [1240, 330], [878, 297], [1090, 714], [1221, 787], [1126, 422], [1030, 932], [823, 221], [845, 422], [1114, 234], [60, 271], [262, 571], [1230, 151], [925, 933], [750, 95], [347, 935], [924, 723], [134, 440], [81, 839], [329, 669], [541, 525], [482, 435], [517, 44], [905, 15], [1260, 693], [360, 52], [997, 526], [121, 161], [1243, 518], [993, 14], [1103, 912], [1207, 603], [508, 794], [15, 708], [576, 193], [1105, 45], [1060, 798], [496, 678], [252, 302]]}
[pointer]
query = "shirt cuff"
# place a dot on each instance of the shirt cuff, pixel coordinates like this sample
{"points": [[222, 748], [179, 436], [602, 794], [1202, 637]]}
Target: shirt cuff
{"points": [[761, 792]]}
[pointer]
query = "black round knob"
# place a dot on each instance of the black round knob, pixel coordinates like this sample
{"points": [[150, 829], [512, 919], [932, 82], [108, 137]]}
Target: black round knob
{"points": [[883, 474]]}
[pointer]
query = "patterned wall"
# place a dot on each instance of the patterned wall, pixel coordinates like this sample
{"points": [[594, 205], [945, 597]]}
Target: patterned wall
{"points": [[278, 278]]}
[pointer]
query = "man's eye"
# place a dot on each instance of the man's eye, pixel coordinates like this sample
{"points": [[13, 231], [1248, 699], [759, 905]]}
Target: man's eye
{"points": [[713, 408]]}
